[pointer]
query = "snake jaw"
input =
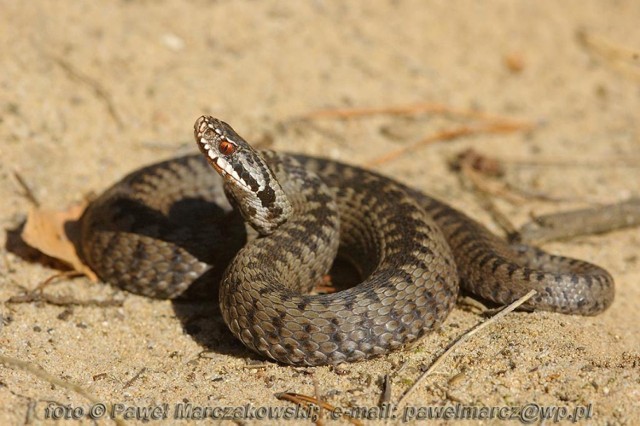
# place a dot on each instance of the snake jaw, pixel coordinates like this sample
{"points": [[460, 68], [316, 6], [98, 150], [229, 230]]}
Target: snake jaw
{"points": [[210, 133], [225, 169], [215, 165]]}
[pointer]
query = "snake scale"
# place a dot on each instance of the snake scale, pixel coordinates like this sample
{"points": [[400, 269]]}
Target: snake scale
{"points": [[164, 226]]}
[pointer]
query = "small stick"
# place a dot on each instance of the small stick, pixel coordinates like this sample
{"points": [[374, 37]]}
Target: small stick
{"points": [[477, 169], [38, 295], [42, 374], [28, 193], [463, 339], [63, 301], [632, 162], [450, 134], [606, 47], [316, 391], [402, 110], [261, 366], [100, 92], [469, 163], [134, 378], [299, 399], [624, 59], [62, 275], [588, 221]]}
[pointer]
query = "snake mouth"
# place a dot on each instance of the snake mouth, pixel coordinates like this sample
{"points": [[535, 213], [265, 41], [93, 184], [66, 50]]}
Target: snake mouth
{"points": [[214, 164], [225, 170]]}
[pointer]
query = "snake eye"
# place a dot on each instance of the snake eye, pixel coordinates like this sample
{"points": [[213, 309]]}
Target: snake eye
{"points": [[226, 147]]}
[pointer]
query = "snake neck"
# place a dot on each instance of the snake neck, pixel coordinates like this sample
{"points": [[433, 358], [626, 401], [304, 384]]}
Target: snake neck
{"points": [[262, 202]]}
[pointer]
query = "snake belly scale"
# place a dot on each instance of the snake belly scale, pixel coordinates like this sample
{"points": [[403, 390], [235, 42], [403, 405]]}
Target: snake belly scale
{"points": [[164, 226]]}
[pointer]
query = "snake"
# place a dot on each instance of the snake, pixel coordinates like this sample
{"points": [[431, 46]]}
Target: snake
{"points": [[266, 227]]}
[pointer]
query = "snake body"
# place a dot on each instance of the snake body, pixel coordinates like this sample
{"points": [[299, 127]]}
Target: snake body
{"points": [[164, 226]]}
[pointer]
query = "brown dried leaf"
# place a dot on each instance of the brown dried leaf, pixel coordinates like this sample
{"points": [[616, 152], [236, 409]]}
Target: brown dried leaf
{"points": [[55, 233]]}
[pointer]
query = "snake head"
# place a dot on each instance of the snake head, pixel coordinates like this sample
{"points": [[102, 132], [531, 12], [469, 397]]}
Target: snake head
{"points": [[249, 182], [220, 144]]}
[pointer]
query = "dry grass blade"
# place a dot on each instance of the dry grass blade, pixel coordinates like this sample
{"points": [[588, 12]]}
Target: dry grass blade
{"points": [[28, 192], [489, 123], [451, 134], [461, 340], [38, 294], [624, 59], [134, 378], [300, 399], [100, 92], [316, 391], [628, 161], [401, 110], [470, 164], [41, 374]]}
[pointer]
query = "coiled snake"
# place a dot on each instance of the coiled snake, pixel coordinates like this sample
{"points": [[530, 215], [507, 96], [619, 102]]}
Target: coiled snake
{"points": [[164, 226]]}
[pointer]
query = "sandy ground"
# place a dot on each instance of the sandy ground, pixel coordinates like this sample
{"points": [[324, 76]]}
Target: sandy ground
{"points": [[90, 93]]}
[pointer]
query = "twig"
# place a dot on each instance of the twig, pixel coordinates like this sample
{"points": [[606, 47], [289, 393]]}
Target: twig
{"points": [[473, 167], [463, 339], [622, 58], [62, 300], [402, 110], [28, 193], [100, 92], [629, 161], [300, 399], [491, 123], [478, 170], [451, 134], [62, 275], [588, 221], [41, 374], [260, 365], [134, 378], [38, 295], [604, 46], [316, 391], [476, 167]]}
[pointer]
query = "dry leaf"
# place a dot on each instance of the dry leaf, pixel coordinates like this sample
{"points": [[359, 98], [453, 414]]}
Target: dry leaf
{"points": [[54, 233]]}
